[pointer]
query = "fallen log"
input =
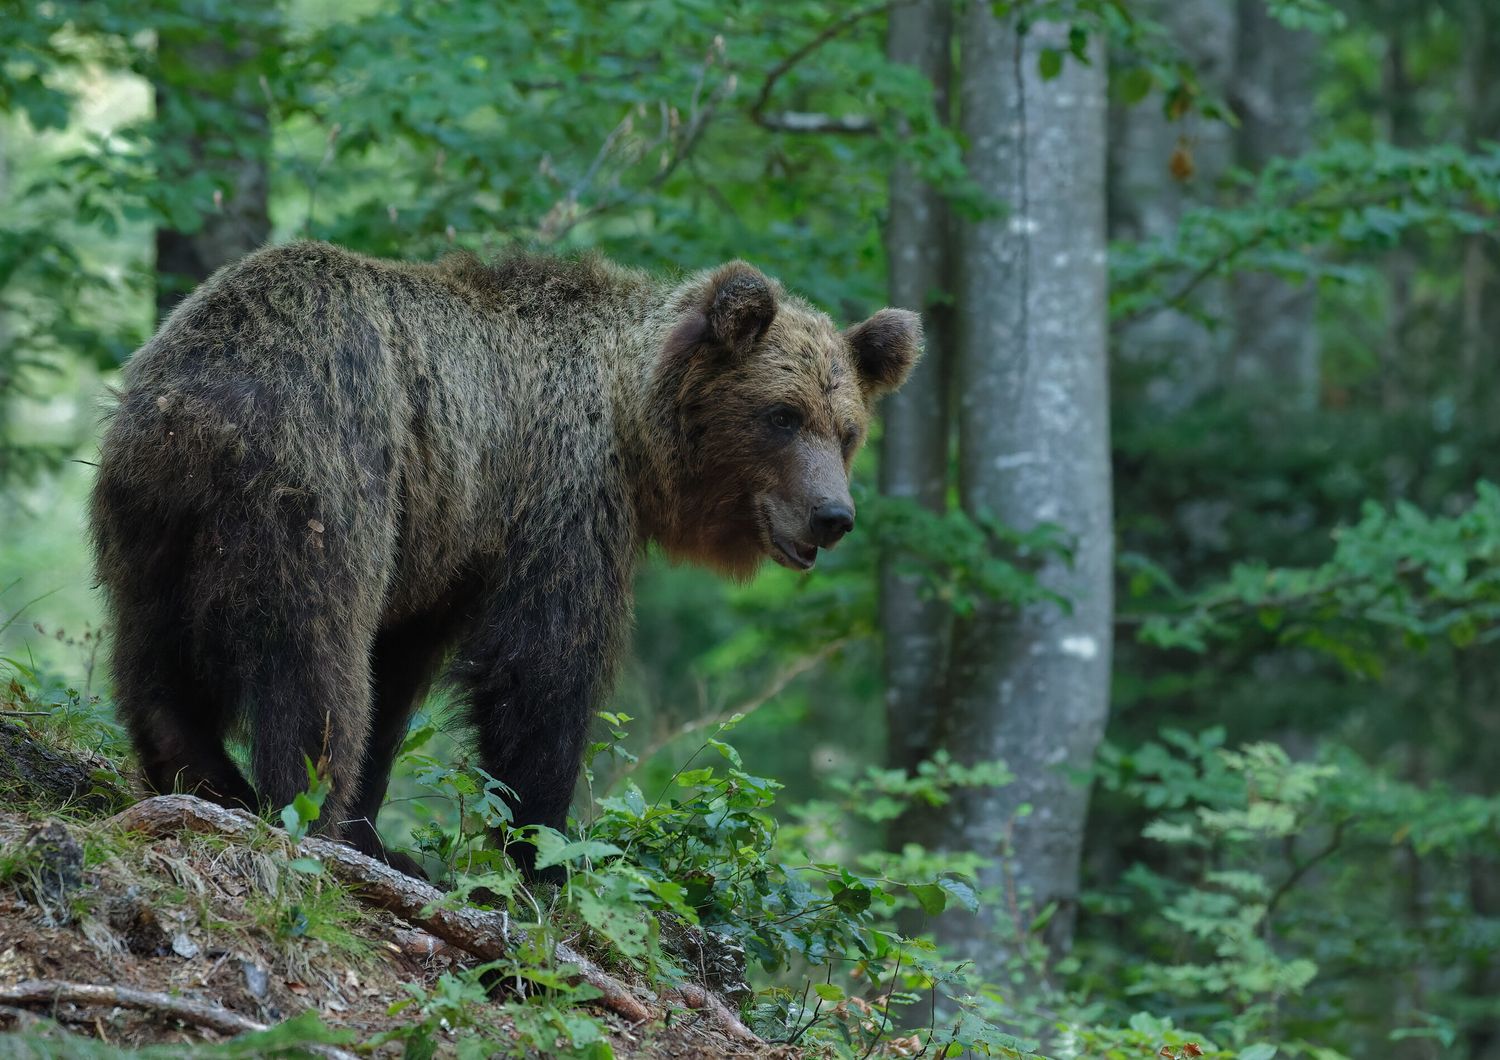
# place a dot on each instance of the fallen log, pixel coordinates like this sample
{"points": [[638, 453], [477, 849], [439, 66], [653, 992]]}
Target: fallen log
{"points": [[482, 933]]}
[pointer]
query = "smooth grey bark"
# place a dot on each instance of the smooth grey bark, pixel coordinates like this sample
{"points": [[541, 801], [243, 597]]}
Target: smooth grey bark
{"points": [[915, 420], [1031, 685], [1147, 201], [213, 115], [1276, 342], [1480, 101]]}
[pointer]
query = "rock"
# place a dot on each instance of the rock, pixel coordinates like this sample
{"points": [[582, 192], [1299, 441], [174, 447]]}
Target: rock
{"points": [[257, 981], [57, 867], [184, 946]]}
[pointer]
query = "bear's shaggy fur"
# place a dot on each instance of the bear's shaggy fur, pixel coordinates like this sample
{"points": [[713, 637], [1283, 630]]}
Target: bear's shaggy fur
{"points": [[328, 473]]}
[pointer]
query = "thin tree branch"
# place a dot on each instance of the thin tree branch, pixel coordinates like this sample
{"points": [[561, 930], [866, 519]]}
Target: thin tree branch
{"points": [[801, 122], [885, 1010], [774, 687], [1193, 282], [797, 121], [1300, 870], [199, 1013], [719, 1014], [485, 934], [682, 147], [1235, 605]]}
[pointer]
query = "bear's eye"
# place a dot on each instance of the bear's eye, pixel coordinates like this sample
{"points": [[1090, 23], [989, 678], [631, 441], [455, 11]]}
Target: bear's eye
{"points": [[784, 418], [851, 440]]}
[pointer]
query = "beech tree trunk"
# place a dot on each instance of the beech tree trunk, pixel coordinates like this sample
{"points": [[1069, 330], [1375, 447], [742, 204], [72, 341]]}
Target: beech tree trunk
{"points": [[1031, 686], [213, 116], [1148, 196], [914, 449], [1276, 342]]}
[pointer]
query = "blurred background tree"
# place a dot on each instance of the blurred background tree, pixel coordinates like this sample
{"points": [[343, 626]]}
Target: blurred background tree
{"points": [[1294, 319]]}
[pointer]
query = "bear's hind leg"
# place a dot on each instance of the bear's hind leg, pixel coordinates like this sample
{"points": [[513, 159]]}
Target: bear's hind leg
{"points": [[406, 657], [309, 701], [176, 718], [296, 603]]}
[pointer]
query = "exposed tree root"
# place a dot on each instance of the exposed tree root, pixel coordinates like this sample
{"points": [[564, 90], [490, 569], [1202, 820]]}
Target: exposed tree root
{"points": [[34, 770], [199, 1013], [714, 1010], [486, 935], [419, 945]]}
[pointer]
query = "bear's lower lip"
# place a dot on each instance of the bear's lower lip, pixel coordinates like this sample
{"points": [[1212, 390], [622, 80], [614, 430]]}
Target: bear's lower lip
{"points": [[796, 556]]}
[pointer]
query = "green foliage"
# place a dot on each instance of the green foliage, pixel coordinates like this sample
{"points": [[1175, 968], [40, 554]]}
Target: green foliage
{"points": [[1278, 917], [1398, 571], [1315, 216], [1319, 16], [304, 810], [962, 559], [708, 853], [1332, 900]]}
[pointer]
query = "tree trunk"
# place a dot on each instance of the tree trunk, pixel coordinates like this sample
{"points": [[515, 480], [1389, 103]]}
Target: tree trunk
{"points": [[1031, 685], [1276, 342], [1480, 100], [1148, 196], [213, 117], [914, 448]]}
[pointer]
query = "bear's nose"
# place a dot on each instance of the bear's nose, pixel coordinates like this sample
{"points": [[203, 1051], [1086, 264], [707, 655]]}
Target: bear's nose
{"points": [[831, 520]]}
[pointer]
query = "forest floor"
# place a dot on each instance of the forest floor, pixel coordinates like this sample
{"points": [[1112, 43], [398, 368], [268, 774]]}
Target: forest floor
{"points": [[113, 937]]}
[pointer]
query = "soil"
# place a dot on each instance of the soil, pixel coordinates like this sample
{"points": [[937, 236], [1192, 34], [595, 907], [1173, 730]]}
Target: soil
{"points": [[203, 919]]}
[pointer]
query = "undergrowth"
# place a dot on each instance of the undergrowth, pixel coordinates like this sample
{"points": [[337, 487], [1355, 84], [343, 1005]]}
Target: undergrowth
{"points": [[710, 878]]}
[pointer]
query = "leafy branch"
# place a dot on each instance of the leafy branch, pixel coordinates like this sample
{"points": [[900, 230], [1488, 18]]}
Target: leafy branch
{"points": [[802, 122]]}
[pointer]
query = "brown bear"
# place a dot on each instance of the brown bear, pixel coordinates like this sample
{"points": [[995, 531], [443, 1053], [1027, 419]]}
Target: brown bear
{"points": [[329, 473]]}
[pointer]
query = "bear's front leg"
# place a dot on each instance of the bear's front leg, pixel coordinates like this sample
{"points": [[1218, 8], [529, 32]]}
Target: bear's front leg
{"points": [[535, 670]]}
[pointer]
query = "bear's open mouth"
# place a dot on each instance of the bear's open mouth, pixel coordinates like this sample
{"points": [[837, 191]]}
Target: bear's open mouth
{"points": [[794, 554]]}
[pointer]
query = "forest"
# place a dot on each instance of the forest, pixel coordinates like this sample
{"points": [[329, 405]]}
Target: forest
{"points": [[1145, 712]]}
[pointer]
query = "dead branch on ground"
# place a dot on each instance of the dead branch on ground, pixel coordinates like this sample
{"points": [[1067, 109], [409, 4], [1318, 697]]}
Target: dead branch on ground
{"points": [[50, 992]]}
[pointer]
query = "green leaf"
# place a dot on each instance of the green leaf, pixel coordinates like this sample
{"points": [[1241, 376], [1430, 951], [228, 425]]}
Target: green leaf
{"points": [[854, 899], [961, 892], [930, 896], [1049, 63], [829, 991], [550, 852], [1135, 84], [304, 1029], [306, 808]]}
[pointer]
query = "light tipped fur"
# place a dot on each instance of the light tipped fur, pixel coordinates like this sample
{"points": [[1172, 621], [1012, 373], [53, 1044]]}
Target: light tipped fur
{"points": [[328, 473]]}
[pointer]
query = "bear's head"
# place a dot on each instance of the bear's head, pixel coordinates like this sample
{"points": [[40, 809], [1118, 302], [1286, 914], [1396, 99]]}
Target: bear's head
{"points": [[768, 403]]}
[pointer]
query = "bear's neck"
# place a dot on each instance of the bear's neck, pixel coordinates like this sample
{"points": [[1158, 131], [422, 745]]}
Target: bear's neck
{"points": [[643, 410], [658, 463]]}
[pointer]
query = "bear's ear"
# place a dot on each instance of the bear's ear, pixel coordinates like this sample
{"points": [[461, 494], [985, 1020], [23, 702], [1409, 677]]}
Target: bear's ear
{"points": [[739, 306], [885, 348]]}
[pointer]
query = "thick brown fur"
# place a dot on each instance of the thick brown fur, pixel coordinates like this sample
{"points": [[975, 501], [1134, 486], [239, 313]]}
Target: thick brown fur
{"points": [[327, 474]]}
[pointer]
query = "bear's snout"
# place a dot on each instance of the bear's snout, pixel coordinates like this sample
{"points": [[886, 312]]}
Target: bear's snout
{"points": [[831, 520]]}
